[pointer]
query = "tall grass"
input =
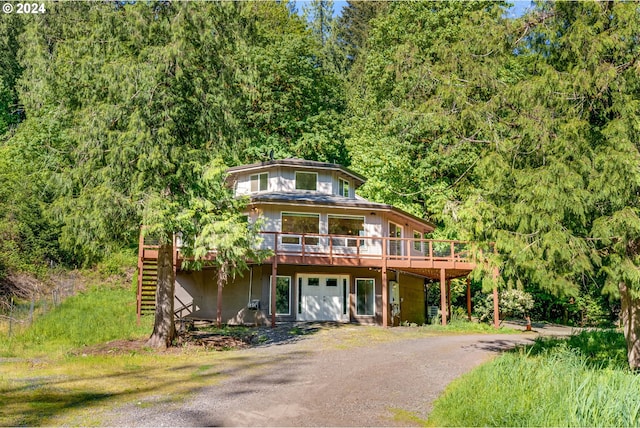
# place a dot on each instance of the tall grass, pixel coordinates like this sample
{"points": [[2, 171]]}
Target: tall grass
{"points": [[556, 383], [98, 315], [463, 326]]}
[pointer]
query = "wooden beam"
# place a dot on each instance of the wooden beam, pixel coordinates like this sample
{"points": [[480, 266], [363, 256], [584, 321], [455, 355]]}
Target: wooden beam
{"points": [[443, 296], [385, 286], [469, 297], [140, 268], [385, 298], [496, 306], [449, 298], [274, 280]]}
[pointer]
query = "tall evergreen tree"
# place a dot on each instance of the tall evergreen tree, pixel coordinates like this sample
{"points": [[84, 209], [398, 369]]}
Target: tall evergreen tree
{"points": [[428, 71], [559, 183], [354, 24]]}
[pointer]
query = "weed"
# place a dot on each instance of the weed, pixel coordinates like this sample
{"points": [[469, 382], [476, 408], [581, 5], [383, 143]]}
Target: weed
{"points": [[576, 382]]}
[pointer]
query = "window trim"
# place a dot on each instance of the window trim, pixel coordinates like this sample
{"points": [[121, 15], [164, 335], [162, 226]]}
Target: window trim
{"points": [[258, 175], [342, 187], [270, 293], [305, 172], [346, 240], [417, 245], [373, 295], [293, 234]]}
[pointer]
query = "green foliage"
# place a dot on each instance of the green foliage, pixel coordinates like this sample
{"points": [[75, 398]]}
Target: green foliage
{"points": [[515, 302], [117, 263], [96, 316], [155, 93], [426, 76], [580, 382], [512, 303], [556, 190], [461, 325]]}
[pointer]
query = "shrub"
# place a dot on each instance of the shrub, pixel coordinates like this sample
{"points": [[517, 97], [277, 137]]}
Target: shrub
{"points": [[513, 303]]}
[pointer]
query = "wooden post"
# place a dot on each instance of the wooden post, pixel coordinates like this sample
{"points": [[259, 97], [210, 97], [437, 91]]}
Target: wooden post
{"points": [[274, 280], [443, 296], [385, 286], [385, 297], [140, 267], [496, 309], [449, 299], [469, 297]]}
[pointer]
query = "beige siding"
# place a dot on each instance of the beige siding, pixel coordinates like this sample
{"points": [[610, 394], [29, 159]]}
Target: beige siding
{"points": [[201, 289]]}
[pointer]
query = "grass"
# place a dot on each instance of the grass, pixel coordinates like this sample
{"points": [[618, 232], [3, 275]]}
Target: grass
{"points": [[96, 316], [582, 381], [463, 326], [47, 379]]}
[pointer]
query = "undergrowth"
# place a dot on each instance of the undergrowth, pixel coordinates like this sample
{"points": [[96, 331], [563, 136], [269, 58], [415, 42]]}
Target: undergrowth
{"points": [[97, 315], [457, 325], [582, 381]]}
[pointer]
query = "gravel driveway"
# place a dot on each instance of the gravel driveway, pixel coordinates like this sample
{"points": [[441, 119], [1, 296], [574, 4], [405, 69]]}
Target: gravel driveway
{"points": [[324, 380]]}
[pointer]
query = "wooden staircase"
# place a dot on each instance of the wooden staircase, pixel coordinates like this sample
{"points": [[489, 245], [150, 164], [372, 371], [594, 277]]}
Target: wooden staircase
{"points": [[148, 278], [147, 284]]}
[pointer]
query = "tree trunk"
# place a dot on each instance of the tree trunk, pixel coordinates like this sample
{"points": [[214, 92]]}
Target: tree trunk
{"points": [[222, 279], [630, 314], [164, 330]]}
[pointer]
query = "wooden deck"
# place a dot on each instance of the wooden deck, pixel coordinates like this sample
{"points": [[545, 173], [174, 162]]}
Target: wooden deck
{"points": [[439, 260], [425, 257]]}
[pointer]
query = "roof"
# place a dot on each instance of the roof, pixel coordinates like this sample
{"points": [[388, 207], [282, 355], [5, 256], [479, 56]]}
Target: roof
{"points": [[293, 162], [330, 201]]}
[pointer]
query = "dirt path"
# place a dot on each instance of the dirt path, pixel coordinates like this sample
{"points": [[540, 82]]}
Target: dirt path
{"points": [[319, 381]]}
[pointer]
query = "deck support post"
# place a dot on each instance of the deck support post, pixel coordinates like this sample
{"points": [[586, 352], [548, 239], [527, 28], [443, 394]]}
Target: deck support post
{"points": [[443, 296], [385, 286], [469, 297], [449, 299], [385, 297], [140, 268], [496, 306], [274, 281]]}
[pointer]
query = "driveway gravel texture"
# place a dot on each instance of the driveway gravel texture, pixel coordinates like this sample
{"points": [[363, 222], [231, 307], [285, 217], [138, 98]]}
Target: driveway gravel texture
{"points": [[325, 379]]}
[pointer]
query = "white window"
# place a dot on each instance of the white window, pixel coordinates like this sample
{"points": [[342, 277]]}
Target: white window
{"points": [[343, 187], [365, 295], [306, 181], [283, 295], [395, 245], [259, 182], [417, 244], [346, 225], [295, 224]]}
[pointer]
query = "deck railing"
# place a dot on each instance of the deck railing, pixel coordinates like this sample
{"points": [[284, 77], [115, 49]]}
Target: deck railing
{"points": [[311, 245], [365, 247]]}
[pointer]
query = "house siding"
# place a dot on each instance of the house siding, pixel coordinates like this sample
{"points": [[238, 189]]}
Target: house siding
{"points": [[283, 179], [200, 288]]}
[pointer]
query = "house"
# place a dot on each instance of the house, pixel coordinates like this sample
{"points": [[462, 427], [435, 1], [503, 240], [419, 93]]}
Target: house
{"points": [[337, 257]]}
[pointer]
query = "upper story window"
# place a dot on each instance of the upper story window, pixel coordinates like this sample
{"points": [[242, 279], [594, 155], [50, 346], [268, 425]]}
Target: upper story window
{"points": [[343, 187], [259, 182], [417, 241], [306, 181]]}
